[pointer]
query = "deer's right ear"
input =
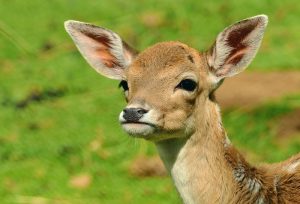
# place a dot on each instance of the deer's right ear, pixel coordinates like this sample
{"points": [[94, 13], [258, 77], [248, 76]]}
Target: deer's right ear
{"points": [[103, 49]]}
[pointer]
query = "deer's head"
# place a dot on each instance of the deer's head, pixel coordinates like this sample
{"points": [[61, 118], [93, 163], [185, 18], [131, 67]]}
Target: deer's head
{"points": [[166, 83]]}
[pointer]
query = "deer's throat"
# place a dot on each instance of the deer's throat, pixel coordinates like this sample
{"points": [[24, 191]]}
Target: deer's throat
{"points": [[197, 163]]}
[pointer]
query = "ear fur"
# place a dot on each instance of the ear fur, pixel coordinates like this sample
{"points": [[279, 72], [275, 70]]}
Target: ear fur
{"points": [[236, 46], [103, 49]]}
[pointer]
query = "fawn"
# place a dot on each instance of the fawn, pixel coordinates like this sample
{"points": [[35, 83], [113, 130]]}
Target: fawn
{"points": [[170, 89]]}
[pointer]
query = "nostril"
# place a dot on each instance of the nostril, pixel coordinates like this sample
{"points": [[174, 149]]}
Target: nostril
{"points": [[142, 111]]}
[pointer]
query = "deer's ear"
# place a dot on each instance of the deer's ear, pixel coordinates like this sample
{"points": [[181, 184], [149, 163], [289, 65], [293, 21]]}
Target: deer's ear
{"points": [[236, 46], [103, 49]]}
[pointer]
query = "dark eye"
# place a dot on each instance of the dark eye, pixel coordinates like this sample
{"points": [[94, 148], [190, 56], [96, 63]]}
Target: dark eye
{"points": [[187, 84], [124, 85]]}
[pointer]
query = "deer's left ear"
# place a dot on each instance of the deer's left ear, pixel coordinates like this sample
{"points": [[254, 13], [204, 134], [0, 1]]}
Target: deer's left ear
{"points": [[236, 46]]}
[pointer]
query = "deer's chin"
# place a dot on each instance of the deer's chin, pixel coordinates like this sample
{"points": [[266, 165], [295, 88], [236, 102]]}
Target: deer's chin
{"points": [[151, 132], [142, 130]]}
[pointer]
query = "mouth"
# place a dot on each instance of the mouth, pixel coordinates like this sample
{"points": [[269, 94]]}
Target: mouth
{"points": [[141, 123], [138, 129]]}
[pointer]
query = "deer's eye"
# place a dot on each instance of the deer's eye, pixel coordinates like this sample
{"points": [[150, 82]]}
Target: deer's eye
{"points": [[187, 84], [124, 85]]}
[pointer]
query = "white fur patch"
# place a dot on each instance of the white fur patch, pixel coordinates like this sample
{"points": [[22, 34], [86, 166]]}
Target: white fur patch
{"points": [[181, 175], [253, 185], [292, 167], [227, 142], [260, 200], [239, 174]]}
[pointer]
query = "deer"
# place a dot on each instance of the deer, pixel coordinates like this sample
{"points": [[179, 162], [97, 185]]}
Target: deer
{"points": [[170, 93]]}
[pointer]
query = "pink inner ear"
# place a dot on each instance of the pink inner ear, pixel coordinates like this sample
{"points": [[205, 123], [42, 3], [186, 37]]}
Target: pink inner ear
{"points": [[106, 57], [236, 57], [236, 40], [103, 46]]}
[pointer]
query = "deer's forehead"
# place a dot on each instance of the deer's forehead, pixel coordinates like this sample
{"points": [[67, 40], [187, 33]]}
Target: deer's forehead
{"points": [[164, 54], [164, 60]]}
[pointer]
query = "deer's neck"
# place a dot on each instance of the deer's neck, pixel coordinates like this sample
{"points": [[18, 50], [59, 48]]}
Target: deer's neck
{"points": [[202, 165]]}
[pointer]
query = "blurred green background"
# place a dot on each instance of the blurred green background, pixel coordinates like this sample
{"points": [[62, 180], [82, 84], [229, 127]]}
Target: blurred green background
{"points": [[60, 141]]}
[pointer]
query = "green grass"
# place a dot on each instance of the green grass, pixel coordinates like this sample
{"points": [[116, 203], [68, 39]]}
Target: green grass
{"points": [[45, 143]]}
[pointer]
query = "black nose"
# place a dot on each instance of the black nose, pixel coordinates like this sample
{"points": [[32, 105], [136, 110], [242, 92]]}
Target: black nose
{"points": [[133, 114]]}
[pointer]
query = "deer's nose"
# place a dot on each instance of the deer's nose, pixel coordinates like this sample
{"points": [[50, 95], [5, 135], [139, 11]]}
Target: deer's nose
{"points": [[133, 114]]}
